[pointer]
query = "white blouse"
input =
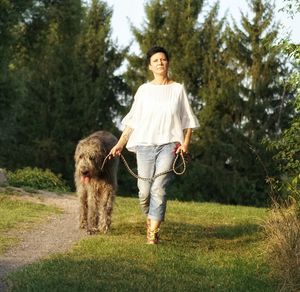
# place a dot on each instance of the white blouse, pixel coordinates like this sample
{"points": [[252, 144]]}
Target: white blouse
{"points": [[158, 115]]}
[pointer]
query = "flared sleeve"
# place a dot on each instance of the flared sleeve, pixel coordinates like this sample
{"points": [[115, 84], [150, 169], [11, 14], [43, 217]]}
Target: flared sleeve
{"points": [[187, 116], [130, 119]]}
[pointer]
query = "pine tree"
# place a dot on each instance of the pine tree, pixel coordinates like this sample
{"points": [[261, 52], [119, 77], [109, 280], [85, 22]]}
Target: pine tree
{"points": [[219, 135], [47, 128], [100, 58], [11, 83], [263, 92]]}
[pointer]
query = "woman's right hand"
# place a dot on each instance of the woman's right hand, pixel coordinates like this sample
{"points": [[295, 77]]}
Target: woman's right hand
{"points": [[116, 150]]}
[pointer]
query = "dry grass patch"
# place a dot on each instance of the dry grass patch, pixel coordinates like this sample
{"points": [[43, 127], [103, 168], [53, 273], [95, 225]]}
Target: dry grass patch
{"points": [[283, 244]]}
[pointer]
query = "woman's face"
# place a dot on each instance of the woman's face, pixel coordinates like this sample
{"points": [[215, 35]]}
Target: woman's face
{"points": [[159, 64]]}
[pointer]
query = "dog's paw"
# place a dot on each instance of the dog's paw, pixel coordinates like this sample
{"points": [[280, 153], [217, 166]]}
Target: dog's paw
{"points": [[92, 231], [83, 225], [104, 229]]}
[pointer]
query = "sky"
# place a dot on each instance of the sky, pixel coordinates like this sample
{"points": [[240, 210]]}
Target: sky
{"points": [[132, 11]]}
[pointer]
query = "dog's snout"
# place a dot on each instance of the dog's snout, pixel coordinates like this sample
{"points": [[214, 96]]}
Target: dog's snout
{"points": [[84, 172]]}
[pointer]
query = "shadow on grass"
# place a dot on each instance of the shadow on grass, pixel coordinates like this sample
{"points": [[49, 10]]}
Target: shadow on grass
{"points": [[156, 271], [193, 234]]}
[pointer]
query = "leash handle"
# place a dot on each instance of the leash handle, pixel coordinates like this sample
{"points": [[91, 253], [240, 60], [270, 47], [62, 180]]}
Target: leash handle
{"points": [[183, 163]]}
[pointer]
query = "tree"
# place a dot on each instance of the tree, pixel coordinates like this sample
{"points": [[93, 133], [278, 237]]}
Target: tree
{"points": [[264, 91], [219, 137], [46, 130], [100, 58], [11, 83], [286, 146], [105, 91]]}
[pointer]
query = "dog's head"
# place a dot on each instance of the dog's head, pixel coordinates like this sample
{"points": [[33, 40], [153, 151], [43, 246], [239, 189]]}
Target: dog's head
{"points": [[89, 157]]}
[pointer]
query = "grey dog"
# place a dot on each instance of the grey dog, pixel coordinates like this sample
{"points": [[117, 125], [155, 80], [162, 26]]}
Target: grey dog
{"points": [[96, 187]]}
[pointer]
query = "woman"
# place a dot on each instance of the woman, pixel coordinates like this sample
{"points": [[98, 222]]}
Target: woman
{"points": [[160, 118]]}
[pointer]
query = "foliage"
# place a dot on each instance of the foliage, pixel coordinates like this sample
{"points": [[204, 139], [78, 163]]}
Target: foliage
{"points": [[220, 138], [11, 83], [286, 146], [11, 12], [291, 7], [100, 58], [37, 178], [65, 64], [264, 90], [204, 247], [45, 62]]}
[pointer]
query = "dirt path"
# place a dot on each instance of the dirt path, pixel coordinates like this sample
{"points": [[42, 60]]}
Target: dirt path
{"points": [[58, 234]]}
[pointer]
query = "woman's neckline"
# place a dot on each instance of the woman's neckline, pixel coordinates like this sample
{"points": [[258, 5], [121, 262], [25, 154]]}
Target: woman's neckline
{"points": [[169, 83]]}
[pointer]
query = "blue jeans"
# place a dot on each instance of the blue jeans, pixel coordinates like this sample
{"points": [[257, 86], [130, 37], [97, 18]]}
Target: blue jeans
{"points": [[152, 160]]}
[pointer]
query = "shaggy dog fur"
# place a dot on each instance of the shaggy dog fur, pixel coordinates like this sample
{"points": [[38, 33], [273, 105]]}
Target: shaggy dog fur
{"points": [[96, 189]]}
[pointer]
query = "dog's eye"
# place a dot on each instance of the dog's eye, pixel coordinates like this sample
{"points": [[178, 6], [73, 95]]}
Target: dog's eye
{"points": [[80, 156], [92, 157]]}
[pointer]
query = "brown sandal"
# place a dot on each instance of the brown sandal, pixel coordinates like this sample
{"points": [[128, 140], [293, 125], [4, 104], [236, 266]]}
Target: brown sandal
{"points": [[153, 236], [148, 224]]}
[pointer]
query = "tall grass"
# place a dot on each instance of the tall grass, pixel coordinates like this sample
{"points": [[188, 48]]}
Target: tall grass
{"points": [[205, 247], [283, 238], [282, 228]]}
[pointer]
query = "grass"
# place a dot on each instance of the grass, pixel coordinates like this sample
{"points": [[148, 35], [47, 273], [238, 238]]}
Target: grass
{"points": [[283, 237], [206, 247], [16, 215]]}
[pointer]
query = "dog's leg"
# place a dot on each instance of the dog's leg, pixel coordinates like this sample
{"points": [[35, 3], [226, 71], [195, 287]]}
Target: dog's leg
{"points": [[109, 208], [105, 208], [93, 213], [83, 208]]}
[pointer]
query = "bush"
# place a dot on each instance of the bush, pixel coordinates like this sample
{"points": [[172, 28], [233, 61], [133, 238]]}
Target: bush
{"points": [[37, 178]]}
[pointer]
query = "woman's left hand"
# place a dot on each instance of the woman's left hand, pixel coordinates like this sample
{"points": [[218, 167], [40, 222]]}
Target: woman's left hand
{"points": [[183, 149]]}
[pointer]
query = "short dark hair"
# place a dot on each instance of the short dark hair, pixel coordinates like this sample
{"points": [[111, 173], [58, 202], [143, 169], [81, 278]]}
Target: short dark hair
{"points": [[154, 50]]}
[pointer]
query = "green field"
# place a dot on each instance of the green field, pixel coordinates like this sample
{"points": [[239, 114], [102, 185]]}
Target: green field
{"points": [[205, 247]]}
